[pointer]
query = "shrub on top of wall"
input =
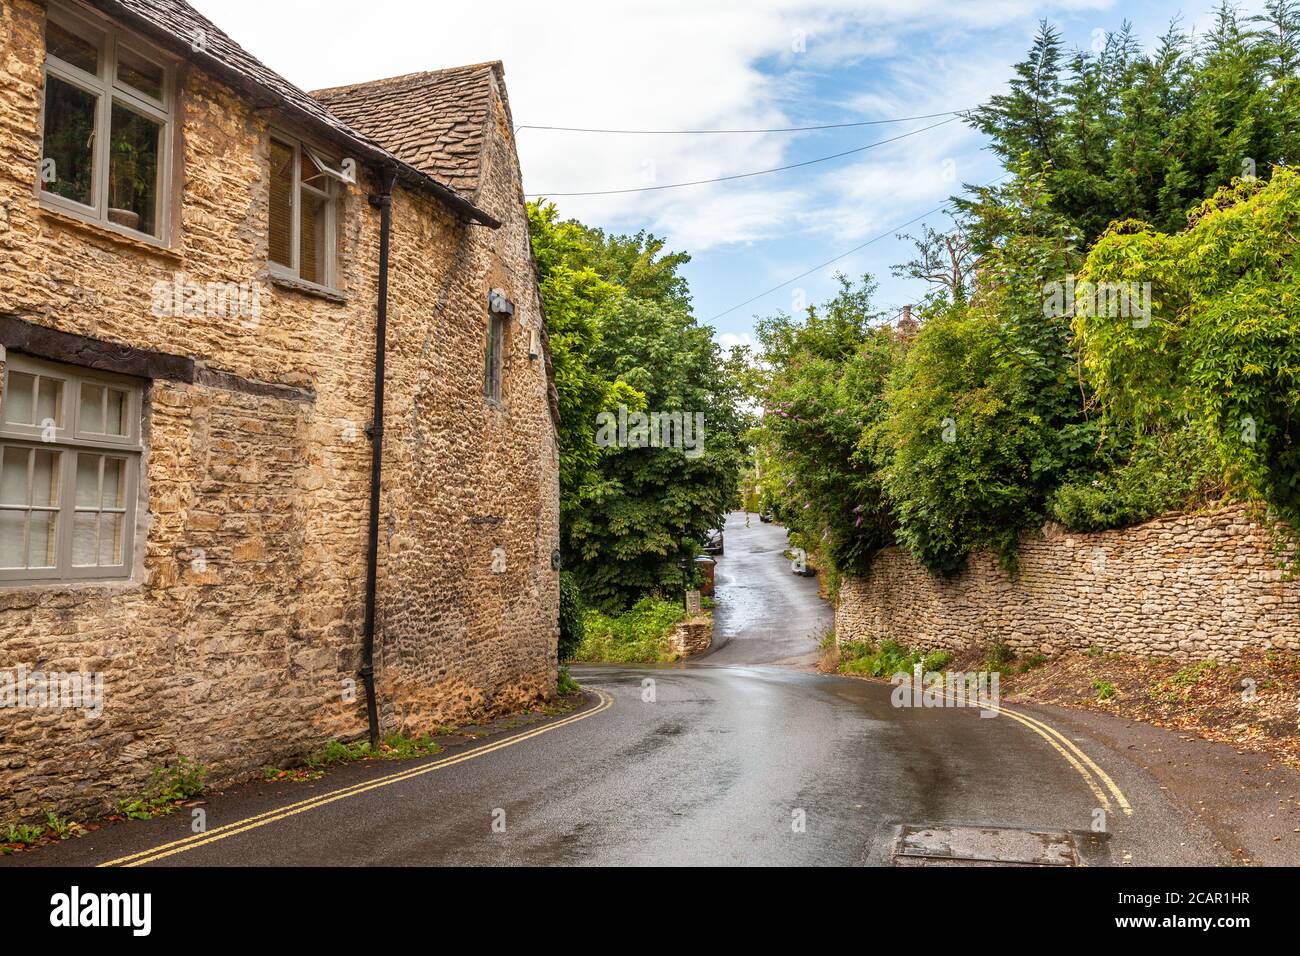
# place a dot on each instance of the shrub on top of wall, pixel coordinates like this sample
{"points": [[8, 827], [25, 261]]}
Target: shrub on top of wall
{"points": [[639, 635], [1162, 472], [1222, 347]]}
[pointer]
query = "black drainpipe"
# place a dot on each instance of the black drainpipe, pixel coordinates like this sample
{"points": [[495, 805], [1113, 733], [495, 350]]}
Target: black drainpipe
{"points": [[383, 201]]}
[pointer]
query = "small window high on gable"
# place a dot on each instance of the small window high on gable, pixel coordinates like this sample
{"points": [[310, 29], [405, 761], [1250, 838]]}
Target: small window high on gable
{"points": [[500, 310]]}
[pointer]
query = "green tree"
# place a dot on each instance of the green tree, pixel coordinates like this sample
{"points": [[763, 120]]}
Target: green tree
{"points": [[575, 296], [654, 506], [1124, 134], [639, 264], [985, 412], [1028, 120], [823, 393], [1223, 347], [622, 337]]}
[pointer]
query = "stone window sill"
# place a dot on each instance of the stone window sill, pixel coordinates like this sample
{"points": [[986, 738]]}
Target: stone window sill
{"points": [[306, 288], [19, 594], [95, 230]]}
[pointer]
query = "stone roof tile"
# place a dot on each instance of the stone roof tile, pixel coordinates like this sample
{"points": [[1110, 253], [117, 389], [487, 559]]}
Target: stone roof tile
{"points": [[435, 120], [186, 30]]}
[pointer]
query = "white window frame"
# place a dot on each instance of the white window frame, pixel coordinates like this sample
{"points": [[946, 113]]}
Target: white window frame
{"points": [[106, 37], [332, 195], [68, 440]]}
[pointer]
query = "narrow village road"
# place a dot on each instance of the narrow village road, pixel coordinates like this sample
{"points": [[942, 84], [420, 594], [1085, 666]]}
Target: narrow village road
{"points": [[728, 760], [764, 613]]}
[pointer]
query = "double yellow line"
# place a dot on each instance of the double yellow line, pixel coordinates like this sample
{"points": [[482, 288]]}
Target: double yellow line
{"points": [[279, 813], [1092, 774], [1097, 780]]}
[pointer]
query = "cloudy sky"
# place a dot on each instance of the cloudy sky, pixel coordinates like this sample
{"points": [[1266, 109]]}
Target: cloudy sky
{"points": [[707, 64]]}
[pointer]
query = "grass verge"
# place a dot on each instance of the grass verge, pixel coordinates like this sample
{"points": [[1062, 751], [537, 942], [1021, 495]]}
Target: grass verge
{"points": [[392, 747], [639, 635], [1249, 703], [883, 659]]}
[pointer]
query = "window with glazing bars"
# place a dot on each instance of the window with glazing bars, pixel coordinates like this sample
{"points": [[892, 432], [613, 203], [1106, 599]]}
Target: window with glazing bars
{"points": [[70, 449], [106, 121]]}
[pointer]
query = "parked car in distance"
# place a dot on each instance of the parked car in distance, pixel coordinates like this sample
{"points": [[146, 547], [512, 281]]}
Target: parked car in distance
{"points": [[765, 517], [714, 543], [799, 565]]}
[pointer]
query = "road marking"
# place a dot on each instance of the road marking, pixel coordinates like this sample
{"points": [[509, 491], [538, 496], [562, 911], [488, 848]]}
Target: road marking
{"points": [[1105, 777], [279, 813], [1079, 760]]}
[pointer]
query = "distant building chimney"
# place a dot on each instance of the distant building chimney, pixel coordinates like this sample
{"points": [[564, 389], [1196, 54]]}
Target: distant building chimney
{"points": [[907, 324]]}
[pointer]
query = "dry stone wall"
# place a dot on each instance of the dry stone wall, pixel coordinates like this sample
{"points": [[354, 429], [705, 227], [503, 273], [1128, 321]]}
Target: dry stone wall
{"points": [[1188, 586], [692, 637]]}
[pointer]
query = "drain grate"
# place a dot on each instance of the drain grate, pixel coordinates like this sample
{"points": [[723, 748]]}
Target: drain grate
{"points": [[983, 846]]}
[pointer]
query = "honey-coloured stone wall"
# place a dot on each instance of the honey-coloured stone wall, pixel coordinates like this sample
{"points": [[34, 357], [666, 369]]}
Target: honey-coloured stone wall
{"points": [[1189, 586], [238, 638]]}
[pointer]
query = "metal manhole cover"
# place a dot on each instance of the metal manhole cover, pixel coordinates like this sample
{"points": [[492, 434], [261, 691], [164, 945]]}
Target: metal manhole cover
{"points": [[983, 846]]}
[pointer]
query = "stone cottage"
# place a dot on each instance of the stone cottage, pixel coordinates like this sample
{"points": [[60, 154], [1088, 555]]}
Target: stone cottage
{"points": [[278, 456]]}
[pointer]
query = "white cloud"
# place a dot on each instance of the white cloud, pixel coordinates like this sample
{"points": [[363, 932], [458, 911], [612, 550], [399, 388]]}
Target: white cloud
{"points": [[731, 339], [675, 64], [738, 217]]}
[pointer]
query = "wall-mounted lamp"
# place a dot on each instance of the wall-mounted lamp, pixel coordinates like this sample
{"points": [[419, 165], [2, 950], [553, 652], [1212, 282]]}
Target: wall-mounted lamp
{"points": [[535, 345]]}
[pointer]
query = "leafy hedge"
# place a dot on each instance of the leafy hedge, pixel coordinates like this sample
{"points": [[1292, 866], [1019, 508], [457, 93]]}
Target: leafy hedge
{"points": [[1223, 350], [1154, 473], [997, 414], [888, 659], [571, 617], [637, 636]]}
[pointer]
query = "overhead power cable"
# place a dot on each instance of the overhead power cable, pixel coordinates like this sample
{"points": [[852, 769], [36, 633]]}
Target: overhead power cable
{"points": [[711, 132], [842, 255], [757, 172]]}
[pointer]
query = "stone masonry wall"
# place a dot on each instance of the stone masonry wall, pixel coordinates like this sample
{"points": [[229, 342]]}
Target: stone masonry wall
{"points": [[1186, 586], [237, 640], [692, 637], [469, 477]]}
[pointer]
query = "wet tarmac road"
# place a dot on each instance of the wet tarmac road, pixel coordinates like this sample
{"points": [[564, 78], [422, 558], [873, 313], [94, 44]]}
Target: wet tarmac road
{"points": [[730, 760], [764, 613]]}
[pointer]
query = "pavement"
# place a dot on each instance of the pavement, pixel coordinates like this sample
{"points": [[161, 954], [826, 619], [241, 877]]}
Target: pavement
{"points": [[746, 755]]}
